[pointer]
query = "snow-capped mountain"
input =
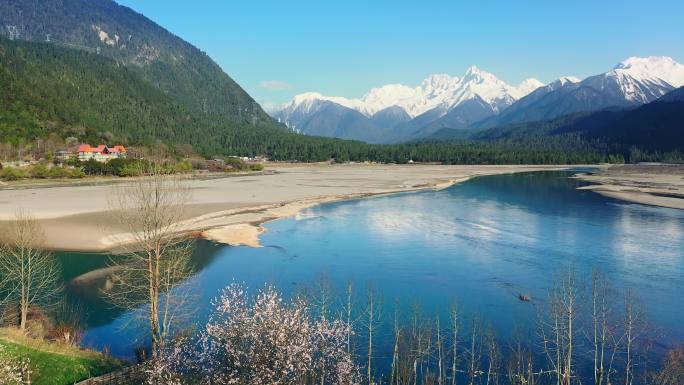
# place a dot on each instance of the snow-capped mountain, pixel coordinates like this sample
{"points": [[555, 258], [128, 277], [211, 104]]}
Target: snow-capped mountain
{"points": [[639, 80], [630, 83], [656, 72], [478, 95], [479, 99], [435, 97]]}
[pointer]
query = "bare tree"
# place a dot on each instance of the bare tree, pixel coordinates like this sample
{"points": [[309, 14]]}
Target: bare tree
{"points": [[604, 344], [157, 252], [520, 366], [29, 275], [455, 325], [348, 314], [493, 356], [440, 353], [394, 376], [673, 369], [559, 330], [474, 351], [322, 298], [634, 331], [372, 322]]}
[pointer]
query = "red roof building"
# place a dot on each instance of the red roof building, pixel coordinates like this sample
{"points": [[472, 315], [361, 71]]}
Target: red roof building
{"points": [[101, 153]]}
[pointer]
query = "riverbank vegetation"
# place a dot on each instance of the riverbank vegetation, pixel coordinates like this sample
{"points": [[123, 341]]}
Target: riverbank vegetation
{"points": [[26, 360], [586, 333], [75, 169], [40, 332]]}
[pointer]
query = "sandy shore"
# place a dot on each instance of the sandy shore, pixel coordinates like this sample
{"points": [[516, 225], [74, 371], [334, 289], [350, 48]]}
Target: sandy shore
{"points": [[650, 184], [230, 210]]}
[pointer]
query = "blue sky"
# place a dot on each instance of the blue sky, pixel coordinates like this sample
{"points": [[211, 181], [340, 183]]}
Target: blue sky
{"points": [[276, 49]]}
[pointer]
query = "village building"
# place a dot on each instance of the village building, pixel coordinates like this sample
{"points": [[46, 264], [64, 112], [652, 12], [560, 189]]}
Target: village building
{"points": [[101, 153], [64, 154]]}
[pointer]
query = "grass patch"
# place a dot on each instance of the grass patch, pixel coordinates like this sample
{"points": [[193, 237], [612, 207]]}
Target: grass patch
{"points": [[54, 363]]}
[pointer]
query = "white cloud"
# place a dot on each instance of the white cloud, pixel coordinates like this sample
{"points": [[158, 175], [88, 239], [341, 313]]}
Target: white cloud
{"points": [[270, 107], [274, 85]]}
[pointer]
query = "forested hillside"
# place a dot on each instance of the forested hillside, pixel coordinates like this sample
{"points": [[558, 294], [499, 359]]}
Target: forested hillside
{"points": [[167, 62], [49, 89]]}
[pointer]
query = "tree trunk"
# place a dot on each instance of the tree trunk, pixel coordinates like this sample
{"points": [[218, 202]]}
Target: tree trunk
{"points": [[23, 315]]}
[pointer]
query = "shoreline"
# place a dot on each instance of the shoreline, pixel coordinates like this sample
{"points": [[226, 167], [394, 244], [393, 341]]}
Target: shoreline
{"points": [[248, 234], [233, 210], [647, 184]]}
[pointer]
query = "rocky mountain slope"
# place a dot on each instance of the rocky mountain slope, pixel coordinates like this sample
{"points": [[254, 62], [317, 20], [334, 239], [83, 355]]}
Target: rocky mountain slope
{"points": [[458, 100]]}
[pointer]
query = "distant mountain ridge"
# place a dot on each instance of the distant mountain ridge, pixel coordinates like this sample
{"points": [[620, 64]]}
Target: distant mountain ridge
{"points": [[655, 126], [630, 83], [435, 97], [480, 100]]}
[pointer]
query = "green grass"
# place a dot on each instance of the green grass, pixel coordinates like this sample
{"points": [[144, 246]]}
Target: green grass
{"points": [[61, 368]]}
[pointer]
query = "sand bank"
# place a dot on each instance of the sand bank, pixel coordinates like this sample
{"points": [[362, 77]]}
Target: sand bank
{"points": [[230, 210], [649, 184]]}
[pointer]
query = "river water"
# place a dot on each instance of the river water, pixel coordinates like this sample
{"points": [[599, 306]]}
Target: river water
{"points": [[480, 244]]}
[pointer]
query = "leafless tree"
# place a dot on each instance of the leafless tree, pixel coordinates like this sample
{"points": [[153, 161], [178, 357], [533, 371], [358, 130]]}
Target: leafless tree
{"points": [[440, 353], [672, 371], [559, 329], [394, 375], [634, 331], [372, 322], [474, 351], [520, 367], [605, 344], [455, 325], [493, 356], [323, 295], [157, 252], [29, 276], [348, 313]]}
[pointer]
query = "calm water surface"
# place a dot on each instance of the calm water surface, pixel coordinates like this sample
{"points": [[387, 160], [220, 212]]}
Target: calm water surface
{"points": [[480, 243]]}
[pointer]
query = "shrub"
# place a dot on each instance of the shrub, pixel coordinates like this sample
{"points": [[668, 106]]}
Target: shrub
{"points": [[237, 164], [673, 369], [11, 173], [93, 167], [116, 166], [130, 169], [39, 171], [256, 167], [77, 173], [199, 164], [182, 167], [60, 172]]}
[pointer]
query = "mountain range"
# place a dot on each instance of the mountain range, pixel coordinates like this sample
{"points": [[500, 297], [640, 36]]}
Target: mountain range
{"points": [[394, 111], [478, 100], [657, 126]]}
